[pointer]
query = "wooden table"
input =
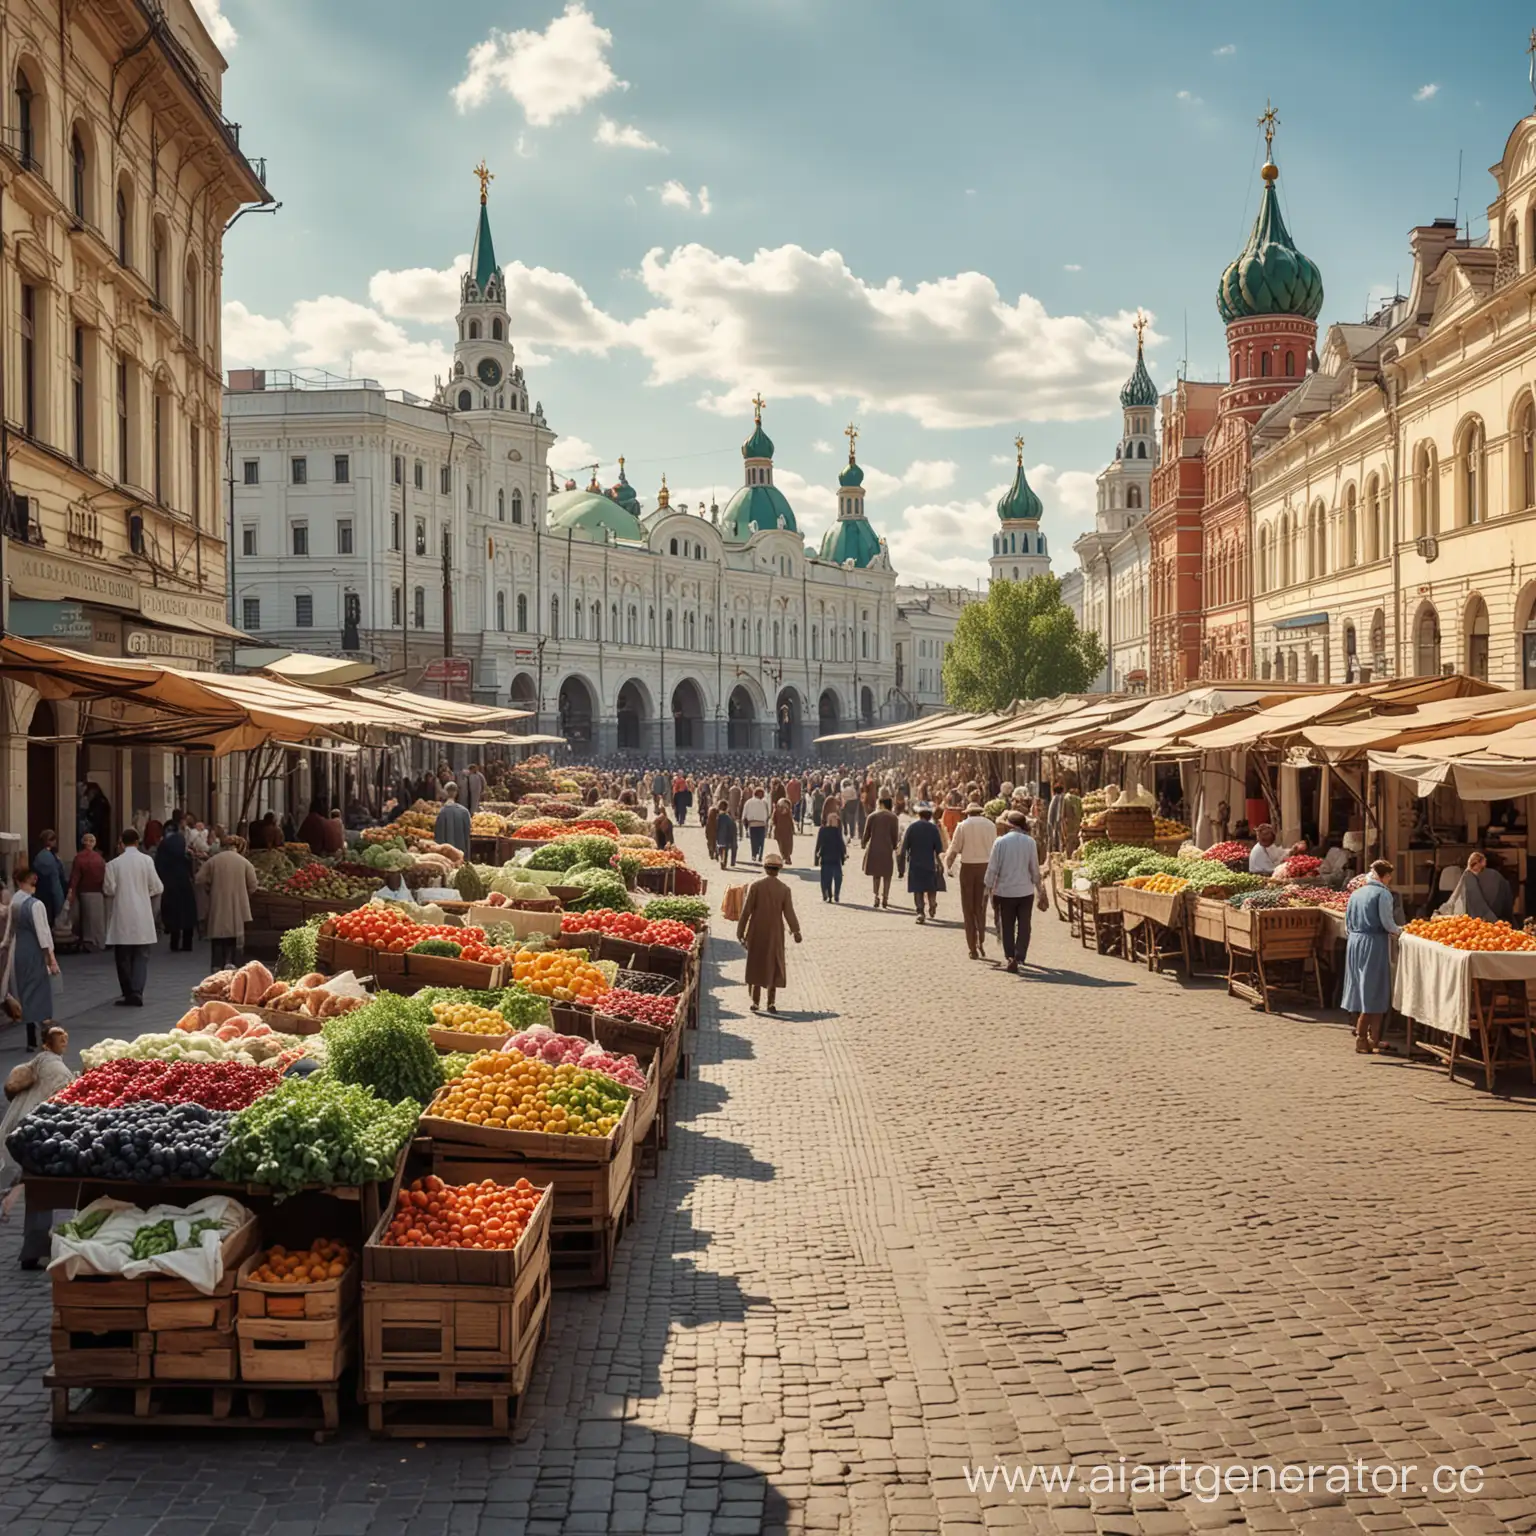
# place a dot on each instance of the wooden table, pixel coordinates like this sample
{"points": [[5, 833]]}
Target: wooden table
{"points": [[1156, 930]]}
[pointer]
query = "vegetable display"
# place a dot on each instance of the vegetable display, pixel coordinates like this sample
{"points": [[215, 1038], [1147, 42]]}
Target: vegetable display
{"points": [[648, 982], [315, 1130], [1109, 863], [565, 975], [543, 1044], [681, 909], [181, 1046], [1299, 866], [508, 1091], [444, 947], [144, 1141], [602, 888], [646, 1007], [630, 925], [385, 1048], [1233, 851], [296, 949], [215, 1084], [469, 1019], [1473, 934], [432, 1214]]}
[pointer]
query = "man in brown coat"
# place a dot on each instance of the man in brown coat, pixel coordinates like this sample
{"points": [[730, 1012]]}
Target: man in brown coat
{"points": [[230, 881], [767, 911], [881, 839]]}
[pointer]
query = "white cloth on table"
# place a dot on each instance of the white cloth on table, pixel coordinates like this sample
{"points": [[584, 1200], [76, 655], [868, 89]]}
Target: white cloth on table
{"points": [[1433, 982]]}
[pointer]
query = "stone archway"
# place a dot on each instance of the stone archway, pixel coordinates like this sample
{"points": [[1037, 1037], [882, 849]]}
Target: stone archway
{"points": [[741, 720], [524, 694], [578, 708], [866, 707], [829, 713], [687, 717], [632, 711], [789, 719]]}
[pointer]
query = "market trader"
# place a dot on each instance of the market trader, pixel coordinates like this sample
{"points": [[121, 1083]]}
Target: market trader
{"points": [[453, 822], [1264, 858]]}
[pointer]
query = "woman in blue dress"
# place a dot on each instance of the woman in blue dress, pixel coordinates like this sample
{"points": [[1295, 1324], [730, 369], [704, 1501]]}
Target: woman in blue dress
{"points": [[831, 854], [1370, 923], [921, 848]]}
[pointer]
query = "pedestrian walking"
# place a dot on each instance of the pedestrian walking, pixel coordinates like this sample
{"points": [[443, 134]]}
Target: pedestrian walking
{"points": [[86, 874], [682, 798], [711, 823], [794, 792], [49, 869], [767, 911], [1369, 922], [733, 800], [831, 854], [474, 788], [131, 885], [971, 848], [660, 784], [848, 806], [453, 822], [881, 839], [784, 828], [33, 961], [918, 860], [725, 839], [28, 1085], [1013, 880], [178, 906], [229, 878], [754, 817]]}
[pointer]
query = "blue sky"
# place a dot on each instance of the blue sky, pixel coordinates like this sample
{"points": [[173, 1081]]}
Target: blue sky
{"points": [[936, 221]]}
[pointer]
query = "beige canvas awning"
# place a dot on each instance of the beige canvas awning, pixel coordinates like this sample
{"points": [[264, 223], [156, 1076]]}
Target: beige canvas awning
{"points": [[1479, 714]]}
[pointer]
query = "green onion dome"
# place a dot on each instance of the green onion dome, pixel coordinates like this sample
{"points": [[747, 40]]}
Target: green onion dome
{"points": [[1019, 503], [1139, 390], [756, 509], [852, 476], [1270, 277], [592, 515], [850, 538]]}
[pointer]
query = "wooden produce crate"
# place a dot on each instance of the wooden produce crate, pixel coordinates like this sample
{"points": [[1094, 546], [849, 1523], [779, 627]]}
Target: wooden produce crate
{"points": [[457, 1266], [163, 1405], [1273, 950], [336, 955], [320, 1301], [284, 912], [330, 905], [296, 1333], [84, 1356], [1208, 919], [463, 1040], [285, 1023], [522, 919], [445, 971], [1155, 927]]}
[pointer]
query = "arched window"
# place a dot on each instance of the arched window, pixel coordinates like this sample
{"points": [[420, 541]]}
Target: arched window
{"points": [[597, 621], [1373, 541], [731, 630], [79, 178], [1524, 457], [650, 626], [1477, 637], [1317, 545], [522, 612], [1351, 550], [794, 640], [667, 630], [1263, 571], [759, 637], [576, 612], [1426, 492], [1471, 489], [1264, 365], [632, 625], [501, 610], [775, 637], [495, 330], [474, 330], [157, 260], [465, 400], [554, 618], [517, 505], [501, 505], [1141, 450], [26, 118], [673, 549], [124, 232], [1426, 642], [1133, 497], [1290, 365], [191, 306], [1290, 667]]}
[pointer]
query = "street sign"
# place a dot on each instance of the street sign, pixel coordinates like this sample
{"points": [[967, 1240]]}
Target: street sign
{"points": [[447, 669]]}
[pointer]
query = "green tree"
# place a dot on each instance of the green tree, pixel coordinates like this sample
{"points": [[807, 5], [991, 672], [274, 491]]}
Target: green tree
{"points": [[1023, 642]]}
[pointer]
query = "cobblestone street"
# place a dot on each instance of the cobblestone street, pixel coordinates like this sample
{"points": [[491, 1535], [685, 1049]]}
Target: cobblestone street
{"points": [[934, 1216]]}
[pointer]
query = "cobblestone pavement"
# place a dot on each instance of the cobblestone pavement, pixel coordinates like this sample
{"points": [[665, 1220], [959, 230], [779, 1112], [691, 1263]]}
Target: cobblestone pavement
{"points": [[934, 1216]]}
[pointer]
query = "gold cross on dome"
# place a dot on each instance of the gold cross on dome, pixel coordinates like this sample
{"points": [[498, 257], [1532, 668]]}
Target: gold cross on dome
{"points": [[757, 405], [1018, 443], [1269, 120], [851, 432], [1140, 327], [486, 178]]}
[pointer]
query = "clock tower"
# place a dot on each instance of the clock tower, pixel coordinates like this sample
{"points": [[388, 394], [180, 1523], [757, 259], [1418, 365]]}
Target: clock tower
{"points": [[486, 375]]}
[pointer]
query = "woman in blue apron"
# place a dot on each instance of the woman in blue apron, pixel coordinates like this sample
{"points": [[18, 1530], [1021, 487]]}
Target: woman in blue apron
{"points": [[1370, 923], [32, 958]]}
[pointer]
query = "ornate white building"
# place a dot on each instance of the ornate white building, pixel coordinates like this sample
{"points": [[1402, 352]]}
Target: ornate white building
{"points": [[1113, 558], [381, 525]]}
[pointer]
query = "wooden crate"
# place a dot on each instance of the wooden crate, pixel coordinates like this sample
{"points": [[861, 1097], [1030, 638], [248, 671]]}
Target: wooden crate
{"points": [[284, 912], [221, 1362], [205, 1312], [319, 1301], [336, 955], [110, 1355], [384, 1263], [296, 1349], [314, 1408], [1208, 919], [540, 1146], [462, 1040], [445, 971], [1278, 933]]}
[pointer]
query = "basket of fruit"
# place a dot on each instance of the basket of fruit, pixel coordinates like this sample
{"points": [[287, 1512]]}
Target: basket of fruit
{"points": [[468, 1026]]}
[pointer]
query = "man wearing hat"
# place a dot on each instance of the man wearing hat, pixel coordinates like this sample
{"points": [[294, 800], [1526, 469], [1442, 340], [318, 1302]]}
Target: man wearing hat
{"points": [[921, 850], [970, 848], [1013, 879], [767, 911]]}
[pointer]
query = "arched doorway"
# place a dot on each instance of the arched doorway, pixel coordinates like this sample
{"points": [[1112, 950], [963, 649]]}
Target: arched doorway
{"points": [[867, 706], [1426, 642], [43, 780], [741, 718], [829, 717], [787, 715], [633, 710], [687, 717], [576, 711], [1476, 626]]}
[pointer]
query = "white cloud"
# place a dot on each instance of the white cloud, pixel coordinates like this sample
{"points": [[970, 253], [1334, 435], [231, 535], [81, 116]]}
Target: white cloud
{"points": [[1073, 266], [675, 195], [1189, 98], [419, 293], [548, 74], [571, 457], [930, 474], [1425, 92], [623, 136], [1225, 51], [219, 27], [821, 445]]}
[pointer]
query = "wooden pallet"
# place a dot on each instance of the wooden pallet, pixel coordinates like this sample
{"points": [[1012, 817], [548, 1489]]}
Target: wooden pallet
{"points": [[159, 1405], [445, 1418]]}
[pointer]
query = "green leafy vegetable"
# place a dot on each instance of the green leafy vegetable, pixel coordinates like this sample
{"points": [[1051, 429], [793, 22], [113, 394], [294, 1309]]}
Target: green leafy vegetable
{"points": [[296, 949], [384, 1047], [682, 909], [445, 947]]}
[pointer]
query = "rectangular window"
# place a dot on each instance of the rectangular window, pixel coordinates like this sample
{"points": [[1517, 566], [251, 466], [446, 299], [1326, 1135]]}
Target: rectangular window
{"points": [[420, 608], [421, 537], [29, 359], [195, 466], [420, 475], [300, 471], [399, 470], [394, 605], [304, 611], [250, 615], [122, 420], [394, 530], [445, 480], [157, 447], [248, 539], [344, 536], [301, 538], [77, 392], [253, 471], [343, 469]]}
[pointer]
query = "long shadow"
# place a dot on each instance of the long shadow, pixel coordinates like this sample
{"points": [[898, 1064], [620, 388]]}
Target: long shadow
{"points": [[1053, 977]]}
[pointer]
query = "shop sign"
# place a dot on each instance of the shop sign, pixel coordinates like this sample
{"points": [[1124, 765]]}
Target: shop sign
{"points": [[49, 621], [39, 574], [154, 603], [164, 645]]}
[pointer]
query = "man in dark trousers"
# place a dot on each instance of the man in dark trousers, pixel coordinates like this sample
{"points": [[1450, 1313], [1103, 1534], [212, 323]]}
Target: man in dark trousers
{"points": [[881, 839]]}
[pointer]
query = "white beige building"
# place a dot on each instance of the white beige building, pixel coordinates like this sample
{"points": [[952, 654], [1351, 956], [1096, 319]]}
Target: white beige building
{"points": [[925, 627], [118, 175], [1394, 494]]}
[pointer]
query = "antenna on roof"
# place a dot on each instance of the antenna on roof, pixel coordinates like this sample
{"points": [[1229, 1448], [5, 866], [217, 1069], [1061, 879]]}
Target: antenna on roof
{"points": [[1456, 211], [1184, 361]]}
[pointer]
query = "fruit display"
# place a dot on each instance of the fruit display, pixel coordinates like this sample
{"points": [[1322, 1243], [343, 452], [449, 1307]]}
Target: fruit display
{"points": [[1475, 935], [631, 925], [255, 1050], [520, 1008], [385, 1048], [682, 909], [213, 1084], [646, 1007], [324, 1259], [1158, 885], [470, 1019], [322, 883], [432, 1214], [508, 1091], [565, 975], [1299, 866], [144, 1142], [382, 925], [542, 1044], [314, 1130], [659, 858], [309, 998], [550, 828], [1234, 852], [1165, 826], [486, 824], [648, 983], [236, 986], [1317, 896]]}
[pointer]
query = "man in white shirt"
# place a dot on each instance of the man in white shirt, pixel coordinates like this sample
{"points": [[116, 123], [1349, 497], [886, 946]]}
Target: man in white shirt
{"points": [[1013, 879], [971, 849], [1266, 856], [754, 817], [130, 886]]}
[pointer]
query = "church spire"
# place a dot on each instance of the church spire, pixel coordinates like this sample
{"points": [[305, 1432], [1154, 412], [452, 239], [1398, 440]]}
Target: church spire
{"points": [[482, 258]]}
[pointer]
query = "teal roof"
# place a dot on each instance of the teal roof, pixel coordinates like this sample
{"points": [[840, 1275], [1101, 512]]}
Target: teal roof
{"points": [[1270, 276], [755, 508], [624, 493], [482, 259], [1139, 390], [850, 538], [851, 476], [759, 445], [1019, 502], [590, 512]]}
